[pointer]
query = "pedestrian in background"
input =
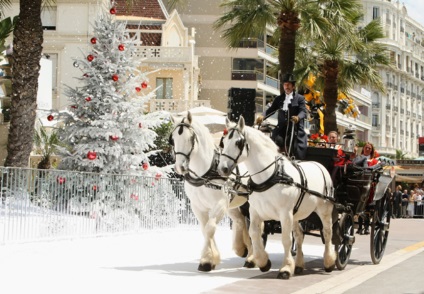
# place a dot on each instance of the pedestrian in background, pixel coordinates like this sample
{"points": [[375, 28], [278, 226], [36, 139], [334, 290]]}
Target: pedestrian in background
{"points": [[405, 199], [397, 202]]}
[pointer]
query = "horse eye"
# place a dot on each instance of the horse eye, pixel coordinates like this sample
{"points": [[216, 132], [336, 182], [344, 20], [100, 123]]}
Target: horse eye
{"points": [[239, 143]]}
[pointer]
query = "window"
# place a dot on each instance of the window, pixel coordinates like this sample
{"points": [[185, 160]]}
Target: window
{"points": [[164, 90], [375, 12], [48, 18], [374, 120]]}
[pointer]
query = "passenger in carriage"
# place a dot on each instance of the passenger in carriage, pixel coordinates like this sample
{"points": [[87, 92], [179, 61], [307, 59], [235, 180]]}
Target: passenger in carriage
{"points": [[291, 108], [366, 159]]}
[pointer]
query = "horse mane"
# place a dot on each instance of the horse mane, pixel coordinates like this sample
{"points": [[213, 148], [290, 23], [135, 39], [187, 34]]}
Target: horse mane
{"points": [[202, 132]]}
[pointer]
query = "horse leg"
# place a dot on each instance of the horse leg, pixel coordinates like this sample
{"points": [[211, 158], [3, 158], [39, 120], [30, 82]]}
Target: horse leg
{"points": [[242, 244], [329, 252], [207, 258], [216, 214], [259, 257], [287, 268], [298, 236]]}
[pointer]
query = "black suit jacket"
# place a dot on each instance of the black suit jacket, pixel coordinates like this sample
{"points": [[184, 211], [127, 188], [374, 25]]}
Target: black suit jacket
{"points": [[281, 134]]}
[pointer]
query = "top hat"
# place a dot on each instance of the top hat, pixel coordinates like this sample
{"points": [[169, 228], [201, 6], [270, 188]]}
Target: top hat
{"points": [[289, 78]]}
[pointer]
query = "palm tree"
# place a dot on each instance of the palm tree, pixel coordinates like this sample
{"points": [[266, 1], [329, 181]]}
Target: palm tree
{"points": [[25, 61], [250, 18], [46, 144], [344, 57]]}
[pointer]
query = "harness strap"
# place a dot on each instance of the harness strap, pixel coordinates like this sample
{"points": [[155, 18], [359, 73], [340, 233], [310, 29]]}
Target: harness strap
{"points": [[211, 174], [303, 184]]}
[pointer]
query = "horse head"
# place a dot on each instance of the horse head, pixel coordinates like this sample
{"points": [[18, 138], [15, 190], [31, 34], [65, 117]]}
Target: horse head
{"points": [[182, 140], [234, 148]]}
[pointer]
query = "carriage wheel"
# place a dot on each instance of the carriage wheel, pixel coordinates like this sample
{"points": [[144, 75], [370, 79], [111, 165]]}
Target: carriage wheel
{"points": [[344, 250], [380, 228]]}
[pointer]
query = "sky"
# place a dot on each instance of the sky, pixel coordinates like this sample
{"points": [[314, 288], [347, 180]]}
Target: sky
{"points": [[415, 9]]}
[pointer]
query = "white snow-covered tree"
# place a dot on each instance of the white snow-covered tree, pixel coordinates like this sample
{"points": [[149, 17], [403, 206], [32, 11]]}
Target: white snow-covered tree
{"points": [[107, 129]]}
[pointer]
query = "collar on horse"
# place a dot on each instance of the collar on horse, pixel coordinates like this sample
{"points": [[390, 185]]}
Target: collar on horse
{"points": [[211, 174]]}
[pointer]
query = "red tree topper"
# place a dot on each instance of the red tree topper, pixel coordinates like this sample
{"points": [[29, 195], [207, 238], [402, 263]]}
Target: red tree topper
{"points": [[91, 155]]}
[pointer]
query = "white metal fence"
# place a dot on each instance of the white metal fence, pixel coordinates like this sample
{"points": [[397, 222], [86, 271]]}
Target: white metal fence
{"points": [[54, 204]]}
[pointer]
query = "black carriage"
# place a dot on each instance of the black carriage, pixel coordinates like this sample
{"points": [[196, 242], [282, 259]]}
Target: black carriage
{"points": [[359, 191]]}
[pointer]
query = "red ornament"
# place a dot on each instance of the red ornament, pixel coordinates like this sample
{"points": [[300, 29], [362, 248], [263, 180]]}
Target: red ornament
{"points": [[140, 125], [134, 196], [114, 138], [112, 10], [93, 40], [74, 106], [145, 166], [121, 47], [90, 58], [158, 176], [91, 155], [115, 77], [144, 85], [225, 132], [94, 188], [88, 99], [50, 117], [61, 180], [85, 75], [138, 89]]}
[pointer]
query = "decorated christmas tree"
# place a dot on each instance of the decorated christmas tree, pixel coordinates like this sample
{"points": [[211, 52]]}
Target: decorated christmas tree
{"points": [[106, 129]]}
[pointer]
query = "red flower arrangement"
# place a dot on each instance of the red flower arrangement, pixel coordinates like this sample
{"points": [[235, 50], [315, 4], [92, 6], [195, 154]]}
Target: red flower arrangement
{"points": [[317, 137]]}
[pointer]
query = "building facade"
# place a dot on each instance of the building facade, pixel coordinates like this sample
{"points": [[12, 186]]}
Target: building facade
{"points": [[397, 114]]}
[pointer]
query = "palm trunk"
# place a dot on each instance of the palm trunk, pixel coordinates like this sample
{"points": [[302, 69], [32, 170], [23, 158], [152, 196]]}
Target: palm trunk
{"points": [[289, 24], [331, 72], [27, 49]]}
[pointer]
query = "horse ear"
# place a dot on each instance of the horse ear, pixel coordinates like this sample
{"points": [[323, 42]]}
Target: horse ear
{"points": [[241, 123], [227, 122], [189, 117]]}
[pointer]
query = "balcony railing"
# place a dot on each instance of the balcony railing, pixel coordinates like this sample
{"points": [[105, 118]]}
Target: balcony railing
{"points": [[165, 54], [175, 105]]}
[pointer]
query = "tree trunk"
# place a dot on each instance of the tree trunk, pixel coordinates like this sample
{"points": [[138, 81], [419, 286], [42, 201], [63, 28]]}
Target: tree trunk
{"points": [[27, 49], [289, 24], [331, 72]]}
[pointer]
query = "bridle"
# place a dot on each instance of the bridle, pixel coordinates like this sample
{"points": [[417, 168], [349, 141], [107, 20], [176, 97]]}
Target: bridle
{"points": [[240, 143], [193, 139]]}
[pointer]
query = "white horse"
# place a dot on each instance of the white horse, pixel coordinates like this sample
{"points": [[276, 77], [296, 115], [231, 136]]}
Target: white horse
{"points": [[287, 199], [196, 157]]}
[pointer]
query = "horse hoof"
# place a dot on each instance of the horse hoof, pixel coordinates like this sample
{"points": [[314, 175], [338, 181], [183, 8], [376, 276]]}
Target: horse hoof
{"points": [[283, 275], [245, 252], [298, 270], [206, 267], [266, 267], [330, 269], [249, 264]]}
